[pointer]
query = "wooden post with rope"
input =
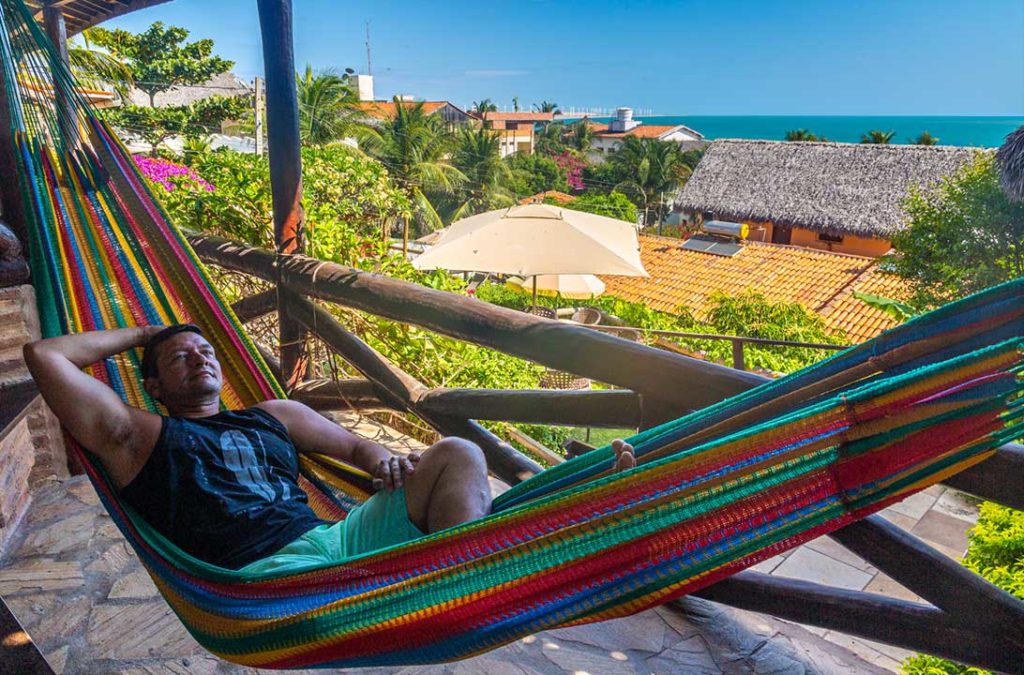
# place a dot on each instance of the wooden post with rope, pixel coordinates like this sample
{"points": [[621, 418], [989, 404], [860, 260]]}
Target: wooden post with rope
{"points": [[283, 145]]}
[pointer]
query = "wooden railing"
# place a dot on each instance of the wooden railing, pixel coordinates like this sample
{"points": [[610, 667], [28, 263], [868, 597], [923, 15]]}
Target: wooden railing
{"points": [[968, 619]]}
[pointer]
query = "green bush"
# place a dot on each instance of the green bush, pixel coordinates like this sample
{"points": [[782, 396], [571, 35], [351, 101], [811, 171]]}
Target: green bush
{"points": [[996, 552], [613, 205], [344, 193], [749, 314]]}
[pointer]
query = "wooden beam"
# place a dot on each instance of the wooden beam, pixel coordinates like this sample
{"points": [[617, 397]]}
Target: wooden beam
{"points": [[997, 479], [905, 624], [537, 406], [941, 581], [67, 117], [670, 384], [401, 391], [536, 447], [285, 168], [344, 394], [255, 306], [685, 382]]}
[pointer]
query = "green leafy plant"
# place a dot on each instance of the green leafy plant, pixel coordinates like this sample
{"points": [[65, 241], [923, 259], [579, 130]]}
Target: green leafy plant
{"points": [[996, 552], [613, 205], [962, 236]]}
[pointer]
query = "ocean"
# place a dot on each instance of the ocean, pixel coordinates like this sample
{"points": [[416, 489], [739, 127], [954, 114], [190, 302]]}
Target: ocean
{"points": [[986, 132]]}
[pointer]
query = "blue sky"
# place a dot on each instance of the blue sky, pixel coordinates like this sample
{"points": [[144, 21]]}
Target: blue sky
{"points": [[726, 57]]}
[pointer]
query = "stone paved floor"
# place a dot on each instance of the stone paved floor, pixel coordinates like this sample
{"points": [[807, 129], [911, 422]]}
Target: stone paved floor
{"points": [[82, 595]]}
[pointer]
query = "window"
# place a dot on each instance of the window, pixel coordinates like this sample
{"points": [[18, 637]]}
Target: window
{"points": [[830, 238]]}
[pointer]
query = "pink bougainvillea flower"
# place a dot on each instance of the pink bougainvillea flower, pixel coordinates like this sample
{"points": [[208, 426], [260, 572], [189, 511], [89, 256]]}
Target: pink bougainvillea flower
{"points": [[161, 170]]}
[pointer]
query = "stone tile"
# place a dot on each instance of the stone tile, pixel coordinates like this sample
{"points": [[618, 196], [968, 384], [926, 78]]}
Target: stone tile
{"points": [[953, 503], [905, 523], [63, 621], [864, 650], [769, 565], [113, 560], [641, 632], [67, 534], [135, 585], [914, 506], [887, 586], [488, 665], [204, 664], [837, 551], [813, 566], [935, 490], [83, 491], [688, 656], [676, 622], [138, 631], [107, 530], [574, 658], [944, 530], [40, 575], [58, 659]]}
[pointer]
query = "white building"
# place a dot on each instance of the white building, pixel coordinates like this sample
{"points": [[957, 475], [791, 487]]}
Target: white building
{"points": [[608, 137]]}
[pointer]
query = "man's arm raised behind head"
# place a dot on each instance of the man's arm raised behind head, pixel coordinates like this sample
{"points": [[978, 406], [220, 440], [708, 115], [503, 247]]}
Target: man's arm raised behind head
{"points": [[90, 410]]}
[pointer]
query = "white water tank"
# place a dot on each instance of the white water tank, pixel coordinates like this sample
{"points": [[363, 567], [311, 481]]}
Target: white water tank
{"points": [[623, 121], [364, 87]]}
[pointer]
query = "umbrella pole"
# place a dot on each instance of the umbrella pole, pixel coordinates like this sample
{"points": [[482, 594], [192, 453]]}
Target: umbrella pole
{"points": [[535, 291]]}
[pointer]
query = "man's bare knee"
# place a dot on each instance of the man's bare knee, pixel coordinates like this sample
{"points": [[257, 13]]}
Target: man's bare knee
{"points": [[461, 452]]}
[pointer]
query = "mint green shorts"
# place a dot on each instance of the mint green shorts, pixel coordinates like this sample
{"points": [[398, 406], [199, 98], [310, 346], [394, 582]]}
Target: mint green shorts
{"points": [[382, 521]]}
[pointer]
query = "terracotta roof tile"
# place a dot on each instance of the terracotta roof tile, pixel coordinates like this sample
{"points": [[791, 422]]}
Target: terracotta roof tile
{"points": [[642, 131], [821, 281], [519, 116], [554, 195], [386, 109]]}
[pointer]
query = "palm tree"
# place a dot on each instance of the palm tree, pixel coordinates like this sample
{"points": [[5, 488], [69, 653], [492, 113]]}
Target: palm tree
{"points": [[515, 103], [582, 135], [802, 135], [328, 109], [925, 138], [97, 68], [478, 156], [547, 106], [657, 168], [484, 106], [414, 146], [876, 136]]}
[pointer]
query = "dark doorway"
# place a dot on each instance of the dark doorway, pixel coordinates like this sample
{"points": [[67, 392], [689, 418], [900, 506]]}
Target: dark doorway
{"points": [[781, 234]]}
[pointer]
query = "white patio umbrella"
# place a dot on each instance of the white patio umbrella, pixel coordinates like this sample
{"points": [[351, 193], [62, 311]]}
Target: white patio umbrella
{"points": [[537, 239], [573, 286]]}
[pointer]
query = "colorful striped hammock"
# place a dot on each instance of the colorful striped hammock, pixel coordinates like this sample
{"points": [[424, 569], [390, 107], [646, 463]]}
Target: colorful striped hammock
{"points": [[716, 491]]}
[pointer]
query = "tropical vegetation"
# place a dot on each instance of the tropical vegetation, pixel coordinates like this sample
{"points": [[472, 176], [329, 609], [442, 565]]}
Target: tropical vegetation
{"points": [[159, 59], [963, 236], [878, 137]]}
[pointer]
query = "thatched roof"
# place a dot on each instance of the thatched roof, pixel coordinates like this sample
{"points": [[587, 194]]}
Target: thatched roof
{"points": [[1010, 158], [224, 84], [838, 188]]}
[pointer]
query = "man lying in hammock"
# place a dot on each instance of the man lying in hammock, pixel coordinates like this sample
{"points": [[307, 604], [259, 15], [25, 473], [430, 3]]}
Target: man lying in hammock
{"points": [[223, 485]]}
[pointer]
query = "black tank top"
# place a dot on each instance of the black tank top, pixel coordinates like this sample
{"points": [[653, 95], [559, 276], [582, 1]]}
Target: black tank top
{"points": [[223, 488]]}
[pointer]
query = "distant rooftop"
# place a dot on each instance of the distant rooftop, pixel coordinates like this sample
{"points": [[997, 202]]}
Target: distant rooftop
{"points": [[519, 116], [821, 281], [225, 84], [837, 188], [387, 109]]}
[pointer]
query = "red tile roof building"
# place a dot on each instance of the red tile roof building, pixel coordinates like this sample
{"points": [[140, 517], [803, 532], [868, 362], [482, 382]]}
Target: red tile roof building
{"points": [[822, 282]]}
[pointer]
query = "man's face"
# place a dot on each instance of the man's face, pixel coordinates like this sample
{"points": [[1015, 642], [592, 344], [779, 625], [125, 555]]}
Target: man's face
{"points": [[188, 373]]}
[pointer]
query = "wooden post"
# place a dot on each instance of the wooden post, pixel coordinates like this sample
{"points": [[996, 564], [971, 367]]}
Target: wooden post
{"points": [[737, 354], [283, 145], [258, 112], [67, 118], [11, 207]]}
